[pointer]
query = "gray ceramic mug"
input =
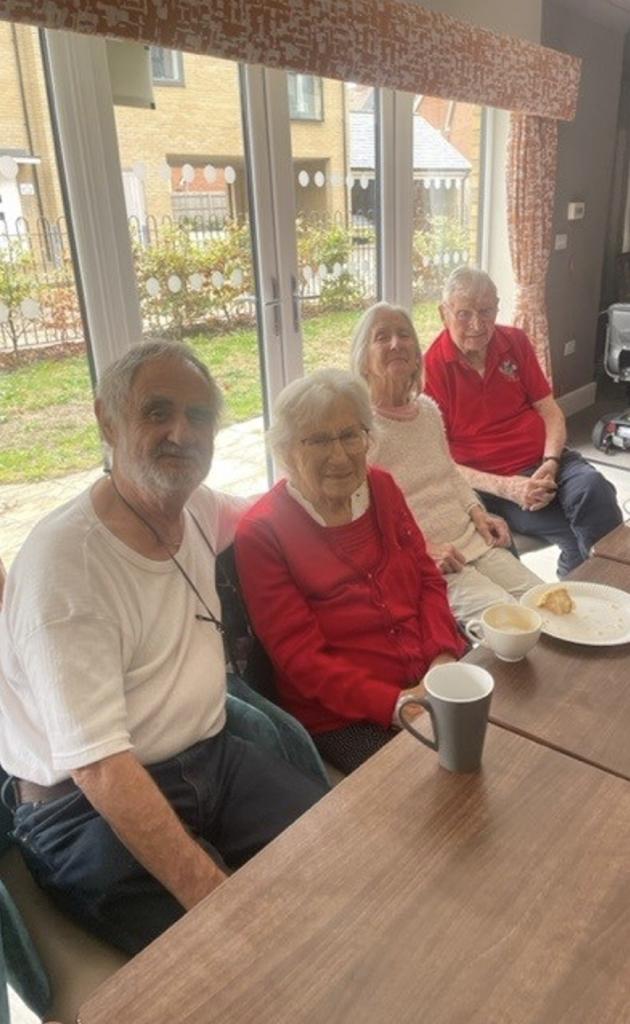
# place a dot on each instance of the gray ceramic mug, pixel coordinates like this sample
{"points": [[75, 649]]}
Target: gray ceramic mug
{"points": [[458, 701]]}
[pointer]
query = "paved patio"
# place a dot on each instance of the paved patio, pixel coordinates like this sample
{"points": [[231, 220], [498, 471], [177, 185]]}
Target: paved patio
{"points": [[239, 467]]}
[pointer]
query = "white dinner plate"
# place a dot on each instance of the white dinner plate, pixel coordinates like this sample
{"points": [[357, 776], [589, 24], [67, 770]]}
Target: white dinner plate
{"points": [[601, 616]]}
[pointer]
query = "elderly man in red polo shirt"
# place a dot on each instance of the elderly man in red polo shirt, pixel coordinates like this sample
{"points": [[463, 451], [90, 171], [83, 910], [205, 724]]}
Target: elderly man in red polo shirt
{"points": [[506, 431]]}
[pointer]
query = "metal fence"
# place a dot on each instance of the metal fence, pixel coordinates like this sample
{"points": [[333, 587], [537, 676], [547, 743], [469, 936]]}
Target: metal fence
{"points": [[38, 299], [193, 272]]}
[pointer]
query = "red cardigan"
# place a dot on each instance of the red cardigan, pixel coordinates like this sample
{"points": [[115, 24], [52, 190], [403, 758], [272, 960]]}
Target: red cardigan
{"points": [[343, 640]]}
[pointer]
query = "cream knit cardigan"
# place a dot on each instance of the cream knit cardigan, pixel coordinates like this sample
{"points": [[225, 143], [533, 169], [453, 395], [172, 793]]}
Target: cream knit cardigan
{"points": [[415, 451]]}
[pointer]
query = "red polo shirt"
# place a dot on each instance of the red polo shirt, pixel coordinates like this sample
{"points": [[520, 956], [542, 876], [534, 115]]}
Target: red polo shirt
{"points": [[489, 419]]}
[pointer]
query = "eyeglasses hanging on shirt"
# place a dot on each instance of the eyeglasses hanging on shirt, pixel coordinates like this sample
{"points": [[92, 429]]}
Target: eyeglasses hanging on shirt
{"points": [[209, 614]]}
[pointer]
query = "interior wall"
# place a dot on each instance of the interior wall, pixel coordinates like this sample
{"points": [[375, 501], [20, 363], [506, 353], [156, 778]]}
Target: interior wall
{"points": [[586, 155], [618, 234], [522, 19]]}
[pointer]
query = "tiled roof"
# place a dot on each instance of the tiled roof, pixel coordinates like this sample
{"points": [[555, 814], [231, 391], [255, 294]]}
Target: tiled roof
{"points": [[431, 151]]}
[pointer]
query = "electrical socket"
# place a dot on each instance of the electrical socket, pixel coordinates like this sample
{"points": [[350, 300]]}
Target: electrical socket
{"points": [[569, 347]]}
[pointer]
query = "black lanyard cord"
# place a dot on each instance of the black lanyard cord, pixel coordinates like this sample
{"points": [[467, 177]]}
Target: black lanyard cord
{"points": [[209, 616]]}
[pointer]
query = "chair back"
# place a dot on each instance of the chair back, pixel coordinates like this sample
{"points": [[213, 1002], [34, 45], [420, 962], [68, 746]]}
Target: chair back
{"points": [[6, 818], [242, 647]]}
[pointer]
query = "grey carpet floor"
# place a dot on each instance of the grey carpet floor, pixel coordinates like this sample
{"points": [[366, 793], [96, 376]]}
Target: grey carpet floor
{"points": [[611, 398]]}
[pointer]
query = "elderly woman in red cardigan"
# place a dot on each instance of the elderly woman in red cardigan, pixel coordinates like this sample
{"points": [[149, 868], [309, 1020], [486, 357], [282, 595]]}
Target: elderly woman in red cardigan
{"points": [[336, 576]]}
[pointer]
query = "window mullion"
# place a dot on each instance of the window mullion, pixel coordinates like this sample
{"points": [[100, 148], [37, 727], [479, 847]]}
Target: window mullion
{"points": [[284, 213], [395, 158], [84, 114]]}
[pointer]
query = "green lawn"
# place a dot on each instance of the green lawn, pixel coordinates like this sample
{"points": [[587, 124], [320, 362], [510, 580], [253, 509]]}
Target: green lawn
{"points": [[46, 422]]}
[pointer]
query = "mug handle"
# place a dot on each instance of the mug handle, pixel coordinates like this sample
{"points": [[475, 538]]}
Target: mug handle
{"points": [[426, 704], [474, 632]]}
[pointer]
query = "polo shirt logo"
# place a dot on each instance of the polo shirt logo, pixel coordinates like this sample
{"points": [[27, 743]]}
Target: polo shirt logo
{"points": [[509, 369]]}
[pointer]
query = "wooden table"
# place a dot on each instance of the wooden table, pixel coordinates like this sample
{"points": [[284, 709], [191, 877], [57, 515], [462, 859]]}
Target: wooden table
{"points": [[572, 697], [615, 545], [412, 894]]}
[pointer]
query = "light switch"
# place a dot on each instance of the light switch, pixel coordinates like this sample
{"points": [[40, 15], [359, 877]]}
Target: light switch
{"points": [[560, 243], [576, 211]]}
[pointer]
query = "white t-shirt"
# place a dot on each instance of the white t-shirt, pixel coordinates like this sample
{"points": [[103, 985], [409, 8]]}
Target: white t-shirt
{"points": [[100, 650]]}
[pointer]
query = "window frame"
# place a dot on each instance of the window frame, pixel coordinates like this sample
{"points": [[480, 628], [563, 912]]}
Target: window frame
{"points": [[296, 116], [88, 141], [178, 60]]}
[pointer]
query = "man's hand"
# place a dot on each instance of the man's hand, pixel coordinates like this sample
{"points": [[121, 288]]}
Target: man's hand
{"points": [[548, 470], [446, 557], [532, 492], [125, 795], [493, 529]]}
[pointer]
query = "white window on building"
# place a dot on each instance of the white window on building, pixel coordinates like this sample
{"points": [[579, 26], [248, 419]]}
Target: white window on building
{"points": [[167, 66], [212, 207], [135, 200], [305, 97], [10, 206]]}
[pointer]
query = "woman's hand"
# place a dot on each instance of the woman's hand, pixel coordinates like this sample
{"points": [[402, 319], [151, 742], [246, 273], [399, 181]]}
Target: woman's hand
{"points": [[410, 710], [413, 710], [493, 529], [446, 557]]}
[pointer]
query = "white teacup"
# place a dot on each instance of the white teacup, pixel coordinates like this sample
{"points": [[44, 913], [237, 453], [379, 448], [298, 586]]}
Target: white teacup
{"points": [[510, 630]]}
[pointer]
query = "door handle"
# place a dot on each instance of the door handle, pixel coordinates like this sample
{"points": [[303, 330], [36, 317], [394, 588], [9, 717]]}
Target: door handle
{"points": [[274, 303], [295, 303]]}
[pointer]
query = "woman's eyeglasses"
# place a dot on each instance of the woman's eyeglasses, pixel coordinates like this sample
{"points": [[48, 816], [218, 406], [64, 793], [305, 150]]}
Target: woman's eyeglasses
{"points": [[352, 441]]}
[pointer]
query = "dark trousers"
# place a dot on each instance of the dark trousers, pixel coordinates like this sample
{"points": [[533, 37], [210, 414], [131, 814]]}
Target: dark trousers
{"points": [[347, 748], [584, 509], [233, 797]]}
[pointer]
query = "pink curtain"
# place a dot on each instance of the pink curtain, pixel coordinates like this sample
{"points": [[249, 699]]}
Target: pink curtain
{"points": [[531, 182]]}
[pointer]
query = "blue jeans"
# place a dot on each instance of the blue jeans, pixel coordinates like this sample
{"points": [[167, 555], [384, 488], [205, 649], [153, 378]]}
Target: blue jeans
{"points": [[584, 510], [233, 795], [255, 718]]}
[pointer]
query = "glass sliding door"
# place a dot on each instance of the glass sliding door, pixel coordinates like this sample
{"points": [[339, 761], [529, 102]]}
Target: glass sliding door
{"points": [[250, 212], [186, 189], [336, 192], [49, 447], [446, 183]]}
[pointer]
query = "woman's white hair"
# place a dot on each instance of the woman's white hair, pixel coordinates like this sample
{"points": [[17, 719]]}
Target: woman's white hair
{"points": [[470, 281], [114, 386], [304, 404], [364, 330]]}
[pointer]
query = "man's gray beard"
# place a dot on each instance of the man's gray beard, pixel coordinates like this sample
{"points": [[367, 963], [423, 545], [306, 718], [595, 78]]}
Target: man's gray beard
{"points": [[161, 480], [166, 481]]}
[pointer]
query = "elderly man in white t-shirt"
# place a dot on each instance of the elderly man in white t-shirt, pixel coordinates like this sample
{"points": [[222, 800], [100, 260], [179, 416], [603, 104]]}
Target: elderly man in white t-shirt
{"points": [[131, 797]]}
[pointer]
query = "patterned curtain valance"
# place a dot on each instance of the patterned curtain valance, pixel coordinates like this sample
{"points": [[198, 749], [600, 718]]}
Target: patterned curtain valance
{"points": [[393, 43]]}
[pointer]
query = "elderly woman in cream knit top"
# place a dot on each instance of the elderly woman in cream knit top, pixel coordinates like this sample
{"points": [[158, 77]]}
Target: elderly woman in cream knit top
{"points": [[467, 543]]}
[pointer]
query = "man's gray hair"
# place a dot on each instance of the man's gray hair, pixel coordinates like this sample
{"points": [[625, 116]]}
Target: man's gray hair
{"points": [[470, 281], [363, 335], [115, 384], [303, 404]]}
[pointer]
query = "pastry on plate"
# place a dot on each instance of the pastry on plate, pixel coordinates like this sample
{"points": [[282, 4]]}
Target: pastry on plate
{"points": [[556, 600]]}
